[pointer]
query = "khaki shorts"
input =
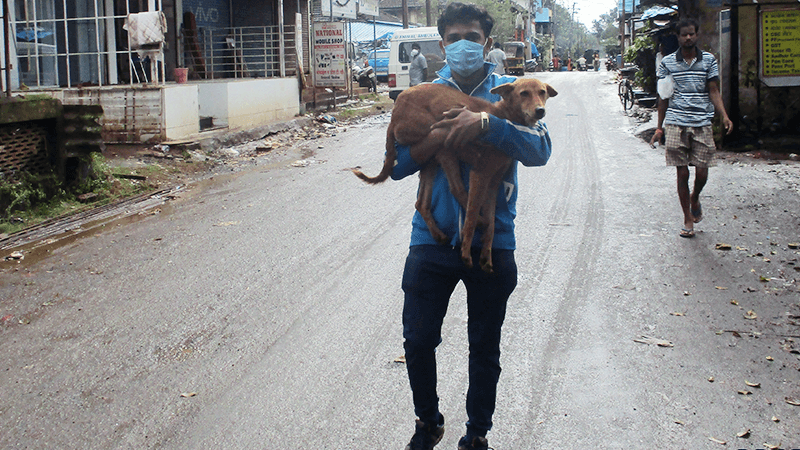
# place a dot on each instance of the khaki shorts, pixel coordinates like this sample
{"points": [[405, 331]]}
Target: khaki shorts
{"points": [[688, 146]]}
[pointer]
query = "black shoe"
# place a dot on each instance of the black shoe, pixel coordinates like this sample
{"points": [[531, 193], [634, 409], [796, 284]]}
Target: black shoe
{"points": [[476, 443], [426, 436]]}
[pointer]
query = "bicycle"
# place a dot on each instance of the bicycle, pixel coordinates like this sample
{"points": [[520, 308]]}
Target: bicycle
{"points": [[625, 92]]}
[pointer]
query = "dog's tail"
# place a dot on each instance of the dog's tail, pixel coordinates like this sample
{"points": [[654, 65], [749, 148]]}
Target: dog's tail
{"points": [[388, 162]]}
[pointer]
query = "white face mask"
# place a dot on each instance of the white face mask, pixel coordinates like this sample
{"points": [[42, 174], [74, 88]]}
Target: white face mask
{"points": [[414, 52]]}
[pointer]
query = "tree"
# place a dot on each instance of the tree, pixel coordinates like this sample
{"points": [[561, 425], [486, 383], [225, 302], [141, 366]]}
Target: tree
{"points": [[504, 18], [606, 30]]}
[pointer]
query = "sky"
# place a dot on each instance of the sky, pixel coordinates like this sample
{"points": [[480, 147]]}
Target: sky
{"points": [[587, 11]]}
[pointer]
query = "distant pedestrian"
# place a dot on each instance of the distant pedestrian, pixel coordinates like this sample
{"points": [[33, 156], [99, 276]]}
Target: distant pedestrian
{"points": [[596, 62], [498, 57], [418, 70], [688, 115]]}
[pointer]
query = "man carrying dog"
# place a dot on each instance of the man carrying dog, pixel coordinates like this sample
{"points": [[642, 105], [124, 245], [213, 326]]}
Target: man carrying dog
{"points": [[432, 271], [688, 115]]}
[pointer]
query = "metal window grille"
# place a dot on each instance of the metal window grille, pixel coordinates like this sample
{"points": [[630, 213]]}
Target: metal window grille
{"points": [[248, 52], [66, 43]]}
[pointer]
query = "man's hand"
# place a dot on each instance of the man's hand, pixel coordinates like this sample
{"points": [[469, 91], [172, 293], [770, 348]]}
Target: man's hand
{"points": [[464, 125], [656, 136], [727, 124]]}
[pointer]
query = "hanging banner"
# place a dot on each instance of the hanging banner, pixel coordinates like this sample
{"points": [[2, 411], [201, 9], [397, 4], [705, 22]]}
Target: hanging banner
{"points": [[339, 8], [780, 47], [329, 54]]}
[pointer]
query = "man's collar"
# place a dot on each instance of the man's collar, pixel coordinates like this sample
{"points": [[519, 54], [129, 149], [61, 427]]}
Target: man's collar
{"points": [[697, 52]]}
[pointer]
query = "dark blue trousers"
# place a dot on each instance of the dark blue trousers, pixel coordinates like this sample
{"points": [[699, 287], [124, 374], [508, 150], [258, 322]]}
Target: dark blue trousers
{"points": [[431, 274]]}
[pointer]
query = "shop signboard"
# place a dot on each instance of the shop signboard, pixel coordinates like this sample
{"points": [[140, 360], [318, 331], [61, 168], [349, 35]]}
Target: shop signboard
{"points": [[780, 47], [330, 57]]}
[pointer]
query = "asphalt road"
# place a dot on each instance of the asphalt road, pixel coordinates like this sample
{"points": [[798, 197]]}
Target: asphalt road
{"points": [[261, 309]]}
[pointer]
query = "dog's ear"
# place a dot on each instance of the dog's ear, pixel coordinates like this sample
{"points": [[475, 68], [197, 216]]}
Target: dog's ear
{"points": [[504, 89], [550, 91]]}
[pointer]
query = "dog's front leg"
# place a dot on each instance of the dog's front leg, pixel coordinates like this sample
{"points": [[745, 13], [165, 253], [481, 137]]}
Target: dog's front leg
{"points": [[424, 200]]}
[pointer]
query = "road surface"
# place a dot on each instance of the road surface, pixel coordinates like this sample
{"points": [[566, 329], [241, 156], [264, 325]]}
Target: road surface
{"points": [[261, 309]]}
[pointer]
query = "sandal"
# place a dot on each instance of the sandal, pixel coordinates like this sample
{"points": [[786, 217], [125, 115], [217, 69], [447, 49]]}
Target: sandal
{"points": [[697, 213], [687, 233]]}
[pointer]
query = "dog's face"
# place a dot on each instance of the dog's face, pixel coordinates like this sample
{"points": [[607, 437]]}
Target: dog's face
{"points": [[524, 99]]}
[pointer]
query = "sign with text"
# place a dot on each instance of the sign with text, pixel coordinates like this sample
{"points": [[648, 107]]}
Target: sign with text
{"points": [[329, 54], [780, 40]]}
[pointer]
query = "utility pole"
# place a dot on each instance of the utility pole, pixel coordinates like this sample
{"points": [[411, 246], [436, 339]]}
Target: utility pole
{"points": [[428, 13], [622, 34], [405, 14], [573, 36]]}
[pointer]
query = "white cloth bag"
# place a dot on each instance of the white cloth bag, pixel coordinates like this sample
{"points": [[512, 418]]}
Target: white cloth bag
{"points": [[666, 87]]}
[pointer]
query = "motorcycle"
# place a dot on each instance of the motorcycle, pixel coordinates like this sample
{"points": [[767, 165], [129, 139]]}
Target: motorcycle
{"points": [[365, 76]]}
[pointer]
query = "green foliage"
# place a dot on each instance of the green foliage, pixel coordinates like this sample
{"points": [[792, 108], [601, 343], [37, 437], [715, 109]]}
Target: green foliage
{"points": [[26, 198], [504, 19], [25, 190], [611, 46], [642, 53], [607, 26]]}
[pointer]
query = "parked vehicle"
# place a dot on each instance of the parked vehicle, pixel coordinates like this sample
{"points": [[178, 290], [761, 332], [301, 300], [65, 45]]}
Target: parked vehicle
{"points": [[400, 56], [379, 60], [365, 76], [532, 65], [516, 55]]}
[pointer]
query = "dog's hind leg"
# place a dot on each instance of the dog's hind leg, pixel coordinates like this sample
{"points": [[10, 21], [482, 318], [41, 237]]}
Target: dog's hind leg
{"points": [[424, 198]]}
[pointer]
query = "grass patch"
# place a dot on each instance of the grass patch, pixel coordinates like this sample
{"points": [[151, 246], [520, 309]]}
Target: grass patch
{"points": [[28, 199]]}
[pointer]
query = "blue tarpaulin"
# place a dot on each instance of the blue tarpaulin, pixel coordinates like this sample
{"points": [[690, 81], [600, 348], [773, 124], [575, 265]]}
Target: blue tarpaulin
{"points": [[543, 16], [365, 32], [29, 35], [534, 50]]}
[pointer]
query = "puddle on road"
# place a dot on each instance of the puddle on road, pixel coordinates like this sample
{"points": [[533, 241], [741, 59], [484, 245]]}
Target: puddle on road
{"points": [[40, 249]]}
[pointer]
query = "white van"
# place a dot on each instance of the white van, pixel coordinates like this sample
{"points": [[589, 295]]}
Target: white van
{"points": [[400, 56]]}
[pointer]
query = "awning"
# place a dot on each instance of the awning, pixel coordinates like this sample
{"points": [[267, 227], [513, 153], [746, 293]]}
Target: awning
{"points": [[657, 11]]}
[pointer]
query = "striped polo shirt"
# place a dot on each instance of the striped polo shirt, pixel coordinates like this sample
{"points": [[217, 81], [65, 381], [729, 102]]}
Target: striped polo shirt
{"points": [[690, 105]]}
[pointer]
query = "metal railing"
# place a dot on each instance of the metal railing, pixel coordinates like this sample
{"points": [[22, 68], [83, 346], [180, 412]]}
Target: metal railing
{"points": [[245, 52]]}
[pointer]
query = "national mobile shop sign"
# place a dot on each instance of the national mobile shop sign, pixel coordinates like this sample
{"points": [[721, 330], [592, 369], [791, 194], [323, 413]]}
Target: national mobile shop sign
{"points": [[330, 58]]}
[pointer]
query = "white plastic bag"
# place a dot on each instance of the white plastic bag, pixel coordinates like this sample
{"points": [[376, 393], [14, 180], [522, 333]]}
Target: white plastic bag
{"points": [[665, 87]]}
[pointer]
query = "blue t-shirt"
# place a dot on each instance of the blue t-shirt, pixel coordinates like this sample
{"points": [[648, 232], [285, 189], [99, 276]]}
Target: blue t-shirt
{"points": [[529, 145], [690, 105]]}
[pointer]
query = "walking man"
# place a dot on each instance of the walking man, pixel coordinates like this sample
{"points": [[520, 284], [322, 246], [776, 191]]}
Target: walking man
{"points": [[418, 71], [498, 57], [432, 271], [685, 118]]}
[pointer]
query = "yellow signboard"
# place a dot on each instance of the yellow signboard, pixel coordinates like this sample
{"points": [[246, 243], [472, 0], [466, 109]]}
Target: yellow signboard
{"points": [[780, 37]]}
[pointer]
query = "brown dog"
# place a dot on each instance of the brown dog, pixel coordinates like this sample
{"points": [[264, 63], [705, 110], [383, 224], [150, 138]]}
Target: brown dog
{"points": [[417, 109]]}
